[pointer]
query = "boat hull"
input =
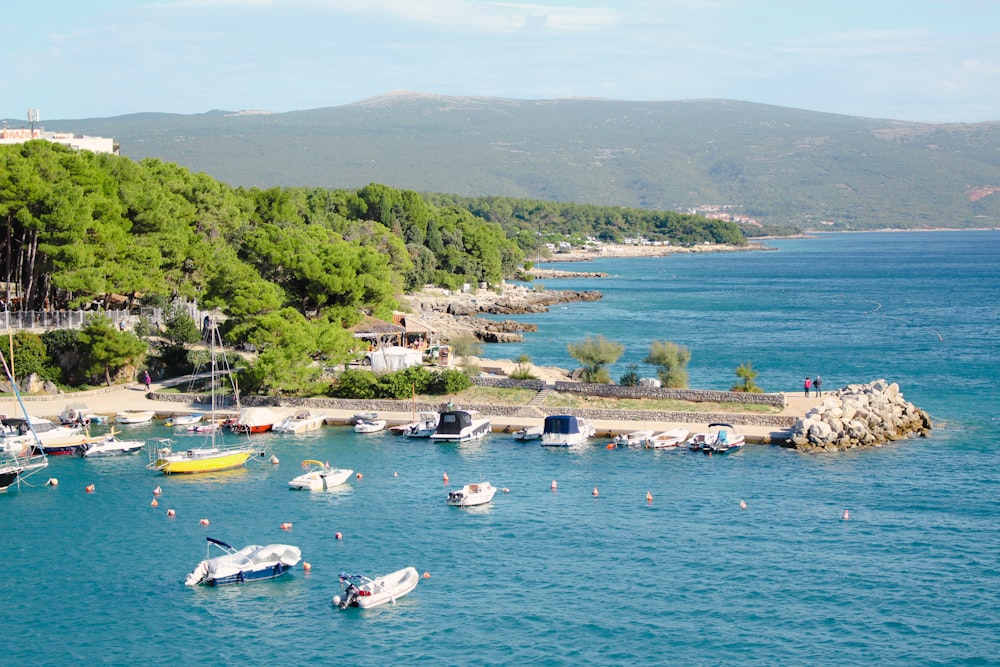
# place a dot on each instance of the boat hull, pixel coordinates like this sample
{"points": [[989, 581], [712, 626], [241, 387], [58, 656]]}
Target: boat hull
{"points": [[247, 577], [8, 477], [182, 464]]}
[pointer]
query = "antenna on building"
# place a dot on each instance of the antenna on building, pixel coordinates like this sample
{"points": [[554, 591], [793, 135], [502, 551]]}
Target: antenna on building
{"points": [[32, 118]]}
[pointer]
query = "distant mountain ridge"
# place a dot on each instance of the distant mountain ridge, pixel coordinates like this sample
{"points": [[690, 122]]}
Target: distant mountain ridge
{"points": [[774, 164]]}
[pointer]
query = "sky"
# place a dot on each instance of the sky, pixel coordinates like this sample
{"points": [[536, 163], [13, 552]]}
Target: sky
{"points": [[917, 60]]}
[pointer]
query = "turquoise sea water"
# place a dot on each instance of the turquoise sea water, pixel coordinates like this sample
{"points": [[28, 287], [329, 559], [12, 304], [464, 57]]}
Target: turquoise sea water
{"points": [[563, 577]]}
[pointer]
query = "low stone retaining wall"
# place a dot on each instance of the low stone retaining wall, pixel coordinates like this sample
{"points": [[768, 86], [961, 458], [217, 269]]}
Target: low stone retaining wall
{"points": [[508, 383], [694, 395]]}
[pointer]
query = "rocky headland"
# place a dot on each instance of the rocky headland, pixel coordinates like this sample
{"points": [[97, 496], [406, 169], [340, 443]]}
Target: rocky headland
{"points": [[859, 415], [454, 313]]}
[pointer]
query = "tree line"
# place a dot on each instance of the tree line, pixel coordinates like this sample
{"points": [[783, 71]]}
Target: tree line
{"points": [[291, 268]]}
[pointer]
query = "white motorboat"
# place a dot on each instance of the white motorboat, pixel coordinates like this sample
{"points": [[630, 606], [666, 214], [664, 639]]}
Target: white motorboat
{"points": [[360, 591], [424, 427], [300, 422], [565, 431], [43, 435], [667, 439], [319, 476], [363, 416], [184, 419], [256, 420], [79, 414], [135, 416], [633, 439], [461, 426], [723, 440], [528, 433], [251, 563], [472, 494], [109, 445], [369, 425]]}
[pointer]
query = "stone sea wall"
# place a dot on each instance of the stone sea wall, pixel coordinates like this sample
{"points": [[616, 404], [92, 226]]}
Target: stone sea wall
{"points": [[859, 415]]}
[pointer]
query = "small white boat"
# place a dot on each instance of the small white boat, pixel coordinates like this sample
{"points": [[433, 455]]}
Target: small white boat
{"points": [[723, 440], [369, 426], [251, 563], [528, 433], [472, 494], [184, 419], [109, 445], [633, 439], [135, 416], [79, 414], [300, 422], [565, 431], [424, 427], [461, 426], [363, 416], [667, 439], [360, 591], [319, 476]]}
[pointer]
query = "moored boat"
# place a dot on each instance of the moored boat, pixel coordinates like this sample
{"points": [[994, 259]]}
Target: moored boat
{"points": [[319, 476], [633, 439], [256, 420], [110, 445], [240, 566], [461, 426], [471, 495], [184, 419], [565, 431], [424, 427], [667, 439], [528, 433], [723, 440], [361, 591], [300, 422], [135, 416], [369, 425]]}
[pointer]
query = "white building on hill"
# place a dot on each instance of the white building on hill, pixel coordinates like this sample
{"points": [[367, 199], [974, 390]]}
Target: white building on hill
{"points": [[75, 141]]}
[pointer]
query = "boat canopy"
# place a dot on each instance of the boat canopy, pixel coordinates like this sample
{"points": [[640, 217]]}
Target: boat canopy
{"points": [[562, 424], [452, 422]]}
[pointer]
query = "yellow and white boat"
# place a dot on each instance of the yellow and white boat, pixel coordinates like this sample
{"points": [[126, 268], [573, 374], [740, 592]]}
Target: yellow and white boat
{"points": [[198, 459], [212, 455]]}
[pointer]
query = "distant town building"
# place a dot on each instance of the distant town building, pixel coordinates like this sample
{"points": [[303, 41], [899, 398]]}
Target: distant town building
{"points": [[19, 135]]}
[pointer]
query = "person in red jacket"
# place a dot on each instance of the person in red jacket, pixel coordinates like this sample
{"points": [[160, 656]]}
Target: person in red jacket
{"points": [[808, 386]]}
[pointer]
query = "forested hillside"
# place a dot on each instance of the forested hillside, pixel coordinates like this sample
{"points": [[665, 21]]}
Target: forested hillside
{"points": [[772, 164], [291, 268]]}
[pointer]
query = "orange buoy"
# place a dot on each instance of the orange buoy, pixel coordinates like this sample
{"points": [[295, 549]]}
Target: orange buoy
{"points": [[89, 488], [553, 485], [157, 491], [171, 513], [359, 475], [52, 481], [445, 478], [610, 445], [274, 459], [154, 503], [594, 492], [427, 575], [306, 566], [649, 497], [506, 490], [339, 535], [204, 522], [286, 526], [846, 516], [743, 504]]}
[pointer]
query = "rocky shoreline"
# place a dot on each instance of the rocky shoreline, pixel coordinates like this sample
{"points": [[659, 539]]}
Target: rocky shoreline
{"points": [[859, 415], [455, 313]]}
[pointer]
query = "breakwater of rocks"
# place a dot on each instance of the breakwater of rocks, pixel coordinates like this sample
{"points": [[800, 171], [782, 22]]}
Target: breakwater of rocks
{"points": [[859, 415]]}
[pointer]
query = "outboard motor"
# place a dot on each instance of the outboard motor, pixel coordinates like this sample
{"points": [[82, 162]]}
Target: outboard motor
{"points": [[455, 496], [349, 598]]}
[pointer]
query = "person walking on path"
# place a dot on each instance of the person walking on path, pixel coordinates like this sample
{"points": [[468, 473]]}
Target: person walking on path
{"points": [[146, 379], [816, 383], [808, 385]]}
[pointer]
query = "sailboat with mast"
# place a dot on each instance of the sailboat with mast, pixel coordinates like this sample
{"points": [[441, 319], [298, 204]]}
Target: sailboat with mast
{"points": [[17, 462], [214, 455]]}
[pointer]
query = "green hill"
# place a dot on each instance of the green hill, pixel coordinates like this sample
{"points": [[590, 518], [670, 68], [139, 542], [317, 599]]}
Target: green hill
{"points": [[774, 164]]}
